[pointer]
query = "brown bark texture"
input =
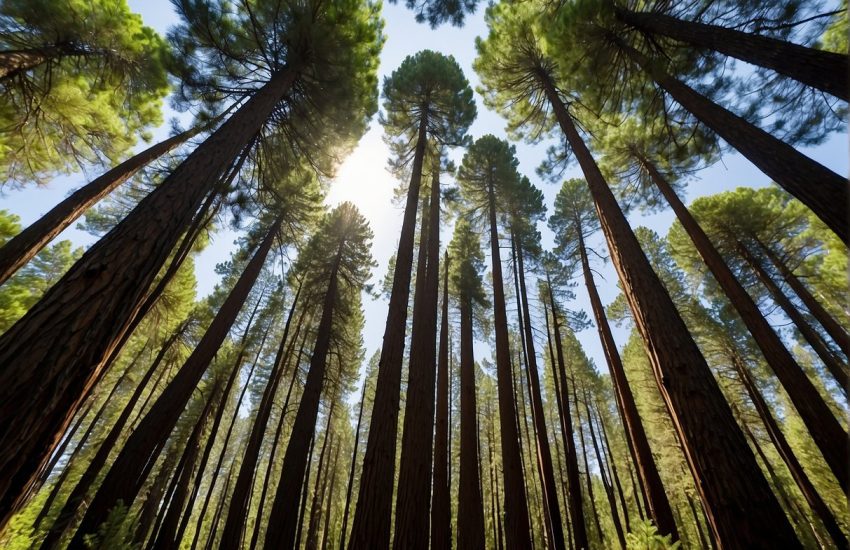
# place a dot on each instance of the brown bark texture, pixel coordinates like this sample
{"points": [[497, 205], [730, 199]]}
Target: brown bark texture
{"points": [[441, 534]]}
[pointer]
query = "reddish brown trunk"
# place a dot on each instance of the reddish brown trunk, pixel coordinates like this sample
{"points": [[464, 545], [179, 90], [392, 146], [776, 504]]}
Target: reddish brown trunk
{"points": [[16, 62], [152, 499], [373, 513], [612, 466], [58, 348], [820, 69], [328, 506], [741, 506], [588, 475], [826, 193], [138, 455], [441, 511], [499, 527], [318, 493], [414, 481], [344, 528], [305, 490], [261, 505]]}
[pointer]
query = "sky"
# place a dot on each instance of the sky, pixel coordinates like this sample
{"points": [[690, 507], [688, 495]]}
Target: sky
{"points": [[363, 179]]}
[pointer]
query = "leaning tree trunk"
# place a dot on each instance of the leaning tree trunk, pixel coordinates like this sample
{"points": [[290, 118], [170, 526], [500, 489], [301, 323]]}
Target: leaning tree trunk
{"points": [[414, 478], [55, 351], [588, 475], [23, 247], [821, 423], [16, 62], [826, 193], [820, 69], [373, 513], [612, 464], [441, 512], [470, 515], [741, 506], [517, 526], [656, 497], [131, 467], [280, 532]]}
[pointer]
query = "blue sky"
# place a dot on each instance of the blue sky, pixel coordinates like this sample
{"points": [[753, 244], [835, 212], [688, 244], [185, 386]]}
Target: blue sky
{"points": [[362, 179]]}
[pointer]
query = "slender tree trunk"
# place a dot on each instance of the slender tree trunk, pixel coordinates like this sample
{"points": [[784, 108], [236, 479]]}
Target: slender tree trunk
{"points": [[153, 498], [23, 247], [612, 463], [414, 482], [525, 443], [470, 517], [58, 348], [441, 511], [697, 524], [318, 492], [834, 450], [329, 503], [821, 423], [589, 476], [373, 513], [133, 463], [219, 509], [826, 193], [577, 519], [344, 528], [491, 438], [820, 69], [280, 532], [742, 508], [517, 526], [305, 490], [260, 520], [838, 334]]}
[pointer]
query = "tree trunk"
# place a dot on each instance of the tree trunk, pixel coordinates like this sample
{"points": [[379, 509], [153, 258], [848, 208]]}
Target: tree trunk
{"points": [[280, 532], [414, 479], [742, 509], [656, 497], [318, 491], [612, 464], [133, 463], [470, 516], [260, 518], [589, 477], [826, 193], [15, 62], [58, 348], [344, 528], [23, 247], [148, 509], [577, 519], [441, 511], [329, 503], [820, 69], [373, 513], [491, 438]]}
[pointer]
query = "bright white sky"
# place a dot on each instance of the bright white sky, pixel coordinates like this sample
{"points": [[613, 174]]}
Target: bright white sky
{"points": [[363, 179]]}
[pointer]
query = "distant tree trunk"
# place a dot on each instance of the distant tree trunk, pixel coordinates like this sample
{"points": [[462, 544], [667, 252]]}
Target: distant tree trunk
{"points": [[577, 519], [328, 506], [544, 453], [612, 464], [589, 476], [318, 490], [491, 438], [470, 515], [441, 511], [834, 450], [260, 519], [218, 510], [305, 491], [414, 478], [344, 528], [23, 247], [820, 69], [153, 498], [697, 524], [822, 190], [58, 348], [373, 513], [821, 423], [524, 440], [280, 532], [517, 526], [133, 463], [726, 472]]}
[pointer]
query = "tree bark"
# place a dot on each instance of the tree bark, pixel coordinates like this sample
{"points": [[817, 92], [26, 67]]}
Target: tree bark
{"points": [[344, 528], [612, 464], [589, 476], [414, 480], [318, 491], [441, 511], [139, 453], [826, 193], [820, 69], [742, 509], [58, 348], [373, 513], [329, 503], [15, 62], [305, 490]]}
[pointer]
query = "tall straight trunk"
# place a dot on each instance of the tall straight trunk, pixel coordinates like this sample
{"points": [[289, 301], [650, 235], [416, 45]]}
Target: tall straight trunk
{"points": [[544, 453], [577, 519], [352, 466], [441, 511], [216, 519], [470, 505], [821, 423], [58, 348], [153, 498], [318, 491], [72, 505], [588, 475], [23, 247], [491, 438], [267, 481], [838, 333], [305, 491], [517, 526], [834, 450], [820, 69], [133, 463], [373, 513], [808, 490], [412, 512], [531, 492], [238, 512], [826, 193], [328, 506], [612, 465], [280, 532], [742, 509], [702, 537]]}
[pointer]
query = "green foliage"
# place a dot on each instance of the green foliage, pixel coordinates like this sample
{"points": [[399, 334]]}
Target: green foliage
{"points": [[100, 83], [835, 37], [467, 264], [115, 533], [574, 218], [488, 173], [645, 536]]}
